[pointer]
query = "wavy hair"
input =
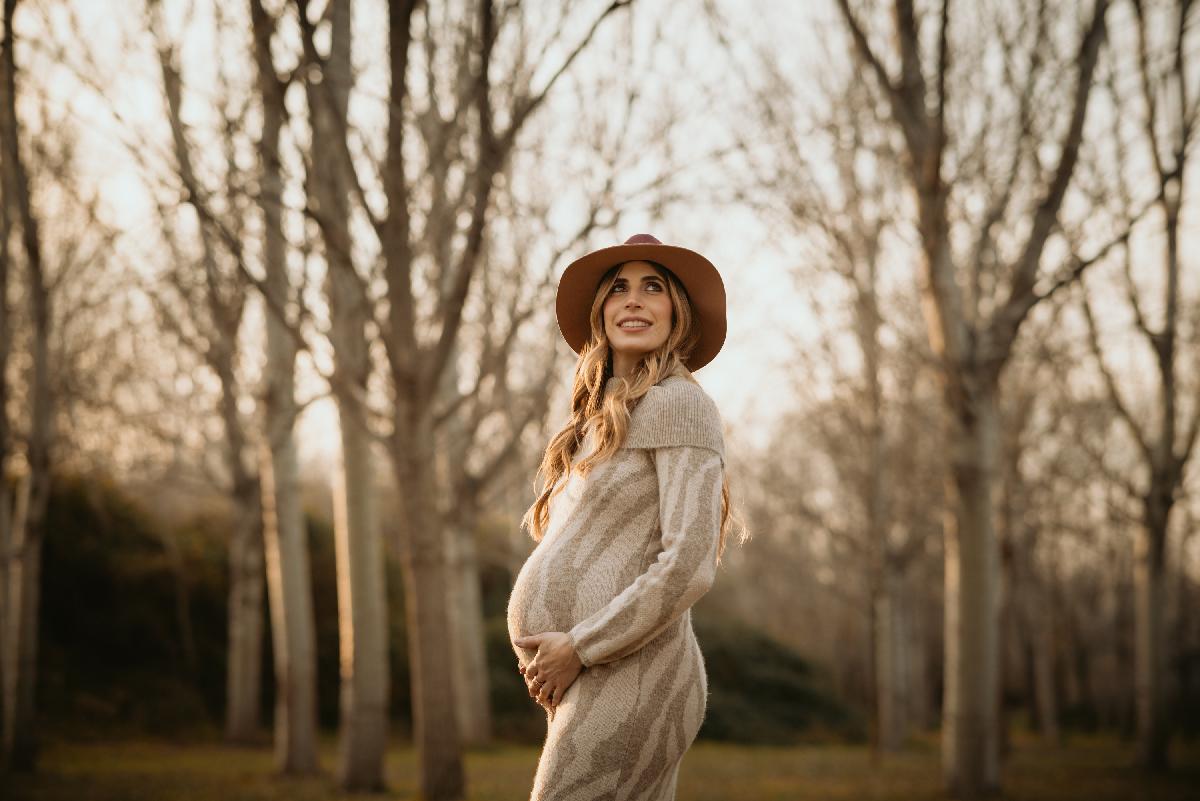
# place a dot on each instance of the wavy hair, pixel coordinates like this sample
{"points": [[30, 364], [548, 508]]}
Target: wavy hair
{"points": [[608, 412]]}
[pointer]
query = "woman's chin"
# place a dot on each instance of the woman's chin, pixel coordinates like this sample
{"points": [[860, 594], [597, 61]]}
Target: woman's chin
{"points": [[633, 346]]}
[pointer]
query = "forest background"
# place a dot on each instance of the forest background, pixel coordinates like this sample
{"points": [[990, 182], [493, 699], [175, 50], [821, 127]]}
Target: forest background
{"points": [[278, 360]]}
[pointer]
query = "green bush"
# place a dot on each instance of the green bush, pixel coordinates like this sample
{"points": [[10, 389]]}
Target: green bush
{"points": [[125, 645], [761, 692]]}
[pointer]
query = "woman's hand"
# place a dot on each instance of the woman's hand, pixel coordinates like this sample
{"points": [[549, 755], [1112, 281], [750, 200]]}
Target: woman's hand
{"points": [[553, 669]]}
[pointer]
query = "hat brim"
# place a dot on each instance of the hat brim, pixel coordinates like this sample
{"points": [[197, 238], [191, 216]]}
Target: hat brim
{"points": [[705, 289]]}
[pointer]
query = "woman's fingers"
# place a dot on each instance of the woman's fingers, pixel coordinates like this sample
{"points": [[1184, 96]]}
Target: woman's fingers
{"points": [[542, 688]]}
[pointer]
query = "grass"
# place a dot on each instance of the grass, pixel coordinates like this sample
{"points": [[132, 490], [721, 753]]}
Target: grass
{"points": [[1096, 769]]}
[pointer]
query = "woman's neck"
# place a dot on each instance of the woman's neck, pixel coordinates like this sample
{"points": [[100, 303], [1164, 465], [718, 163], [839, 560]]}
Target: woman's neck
{"points": [[623, 364]]}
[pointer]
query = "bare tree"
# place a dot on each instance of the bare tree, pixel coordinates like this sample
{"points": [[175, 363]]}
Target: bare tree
{"points": [[212, 294], [829, 174], [25, 532], [292, 619], [975, 301], [362, 592], [1170, 111]]}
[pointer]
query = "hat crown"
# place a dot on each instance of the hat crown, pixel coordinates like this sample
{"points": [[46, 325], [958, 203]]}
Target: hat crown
{"points": [[642, 239]]}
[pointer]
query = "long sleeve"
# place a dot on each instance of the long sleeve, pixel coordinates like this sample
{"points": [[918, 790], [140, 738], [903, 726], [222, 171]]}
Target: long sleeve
{"points": [[689, 487]]}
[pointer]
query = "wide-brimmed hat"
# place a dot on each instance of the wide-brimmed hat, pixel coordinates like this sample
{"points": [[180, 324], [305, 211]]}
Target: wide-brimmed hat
{"points": [[705, 289]]}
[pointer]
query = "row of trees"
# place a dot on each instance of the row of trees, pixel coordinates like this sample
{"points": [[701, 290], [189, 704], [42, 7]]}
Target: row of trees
{"points": [[1005, 152]]}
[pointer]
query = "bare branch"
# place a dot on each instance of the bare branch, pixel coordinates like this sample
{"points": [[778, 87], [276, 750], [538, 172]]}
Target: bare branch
{"points": [[897, 102], [1025, 272], [1110, 382]]}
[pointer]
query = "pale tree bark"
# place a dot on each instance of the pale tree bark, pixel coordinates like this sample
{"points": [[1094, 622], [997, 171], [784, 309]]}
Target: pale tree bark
{"points": [[218, 311], [362, 592], [972, 344], [467, 632], [293, 627], [293, 630], [19, 742], [1165, 443], [889, 558]]}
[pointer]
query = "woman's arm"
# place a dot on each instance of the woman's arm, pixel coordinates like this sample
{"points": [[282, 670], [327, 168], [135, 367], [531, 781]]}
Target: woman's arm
{"points": [[689, 490]]}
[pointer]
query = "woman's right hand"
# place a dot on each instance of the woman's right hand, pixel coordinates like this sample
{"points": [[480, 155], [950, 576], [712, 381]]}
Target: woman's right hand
{"points": [[553, 669], [530, 686]]}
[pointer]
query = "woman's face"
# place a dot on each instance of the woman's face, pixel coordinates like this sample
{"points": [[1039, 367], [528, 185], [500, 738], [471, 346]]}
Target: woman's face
{"points": [[637, 311]]}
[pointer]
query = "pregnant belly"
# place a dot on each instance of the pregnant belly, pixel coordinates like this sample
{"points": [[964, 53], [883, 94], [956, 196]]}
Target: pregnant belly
{"points": [[549, 594]]}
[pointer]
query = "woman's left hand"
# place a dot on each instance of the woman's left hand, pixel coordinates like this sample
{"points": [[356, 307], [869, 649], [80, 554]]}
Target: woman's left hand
{"points": [[553, 669]]}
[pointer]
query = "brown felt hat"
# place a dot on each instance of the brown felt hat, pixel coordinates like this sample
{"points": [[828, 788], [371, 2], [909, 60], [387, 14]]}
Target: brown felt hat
{"points": [[579, 282]]}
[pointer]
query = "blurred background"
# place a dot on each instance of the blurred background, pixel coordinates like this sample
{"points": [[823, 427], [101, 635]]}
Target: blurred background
{"points": [[278, 361]]}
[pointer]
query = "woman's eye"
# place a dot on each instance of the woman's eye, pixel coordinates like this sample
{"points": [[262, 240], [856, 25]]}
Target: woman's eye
{"points": [[657, 287]]}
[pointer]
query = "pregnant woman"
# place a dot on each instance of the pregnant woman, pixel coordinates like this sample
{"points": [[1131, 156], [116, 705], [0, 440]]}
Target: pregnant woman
{"points": [[631, 520]]}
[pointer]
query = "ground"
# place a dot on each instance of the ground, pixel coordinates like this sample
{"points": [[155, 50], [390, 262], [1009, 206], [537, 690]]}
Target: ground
{"points": [[1096, 769]]}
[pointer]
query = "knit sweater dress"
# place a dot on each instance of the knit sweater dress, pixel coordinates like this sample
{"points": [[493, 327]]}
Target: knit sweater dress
{"points": [[627, 551]]}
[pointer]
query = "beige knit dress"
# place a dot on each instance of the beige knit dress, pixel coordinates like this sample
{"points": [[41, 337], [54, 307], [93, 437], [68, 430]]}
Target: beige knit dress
{"points": [[627, 552]]}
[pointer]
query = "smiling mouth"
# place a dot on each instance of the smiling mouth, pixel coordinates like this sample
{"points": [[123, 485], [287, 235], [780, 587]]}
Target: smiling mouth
{"points": [[633, 325]]}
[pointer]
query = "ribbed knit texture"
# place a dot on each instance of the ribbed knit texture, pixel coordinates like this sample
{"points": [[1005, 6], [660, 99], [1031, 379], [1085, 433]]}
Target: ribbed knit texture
{"points": [[627, 552]]}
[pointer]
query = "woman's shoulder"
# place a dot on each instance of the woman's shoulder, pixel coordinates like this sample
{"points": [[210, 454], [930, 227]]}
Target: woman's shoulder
{"points": [[676, 411]]}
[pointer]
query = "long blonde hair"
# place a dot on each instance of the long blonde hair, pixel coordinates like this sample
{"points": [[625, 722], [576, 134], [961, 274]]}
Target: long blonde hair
{"points": [[608, 413]]}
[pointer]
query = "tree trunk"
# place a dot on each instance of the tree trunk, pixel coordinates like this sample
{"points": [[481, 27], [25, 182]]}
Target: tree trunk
{"points": [[1045, 692], [465, 599], [425, 579], [25, 566], [293, 631], [469, 639], [892, 678], [243, 686], [1008, 662], [362, 601], [1149, 582], [24, 578], [969, 743], [362, 597], [20, 630], [362, 608], [289, 581], [285, 541], [921, 696]]}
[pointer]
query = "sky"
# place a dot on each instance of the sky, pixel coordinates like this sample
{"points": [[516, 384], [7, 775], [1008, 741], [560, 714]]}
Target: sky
{"points": [[754, 377], [764, 311]]}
